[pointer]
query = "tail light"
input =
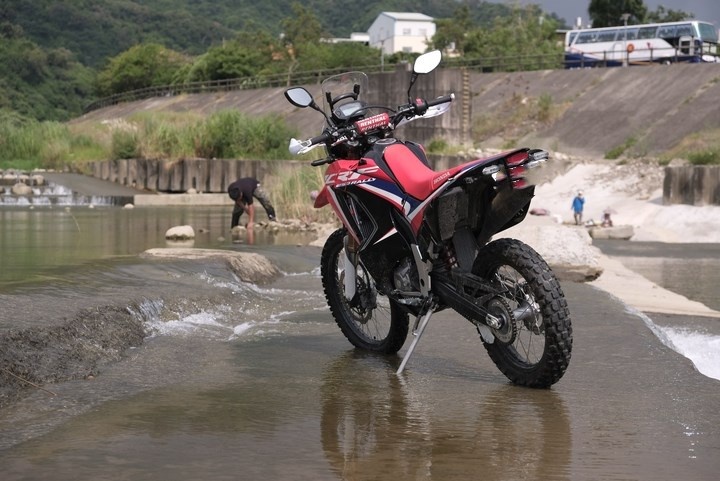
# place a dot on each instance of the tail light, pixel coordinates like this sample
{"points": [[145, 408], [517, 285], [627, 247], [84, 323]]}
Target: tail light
{"points": [[520, 164]]}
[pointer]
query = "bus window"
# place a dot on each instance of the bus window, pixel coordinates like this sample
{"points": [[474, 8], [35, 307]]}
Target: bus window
{"points": [[586, 37], [685, 30], [667, 31], [628, 34], [708, 33], [571, 38], [606, 35], [647, 32]]}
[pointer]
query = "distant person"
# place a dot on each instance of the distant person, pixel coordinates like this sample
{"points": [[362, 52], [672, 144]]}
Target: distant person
{"points": [[578, 204], [242, 192], [607, 221]]}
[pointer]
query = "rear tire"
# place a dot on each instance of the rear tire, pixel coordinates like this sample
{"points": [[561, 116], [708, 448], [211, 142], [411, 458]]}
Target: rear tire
{"points": [[539, 353], [371, 321]]}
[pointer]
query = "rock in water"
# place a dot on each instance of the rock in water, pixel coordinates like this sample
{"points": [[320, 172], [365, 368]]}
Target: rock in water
{"points": [[180, 232]]}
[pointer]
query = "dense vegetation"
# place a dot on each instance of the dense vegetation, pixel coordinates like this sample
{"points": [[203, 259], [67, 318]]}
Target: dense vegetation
{"points": [[59, 55], [64, 53]]}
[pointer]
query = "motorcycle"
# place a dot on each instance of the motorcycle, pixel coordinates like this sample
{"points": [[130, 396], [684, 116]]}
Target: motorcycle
{"points": [[416, 241]]}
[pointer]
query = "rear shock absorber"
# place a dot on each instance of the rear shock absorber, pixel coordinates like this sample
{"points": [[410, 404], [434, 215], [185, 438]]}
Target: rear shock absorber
{"points": [[447, 254]]}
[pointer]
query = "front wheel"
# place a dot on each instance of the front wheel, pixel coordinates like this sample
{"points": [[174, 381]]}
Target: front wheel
{"points": [[533, 345], [369, 320]]}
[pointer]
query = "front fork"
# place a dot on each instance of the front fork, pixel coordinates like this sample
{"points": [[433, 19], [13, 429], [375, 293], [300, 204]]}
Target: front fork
{"points": [[350, 267], [350, 287]]}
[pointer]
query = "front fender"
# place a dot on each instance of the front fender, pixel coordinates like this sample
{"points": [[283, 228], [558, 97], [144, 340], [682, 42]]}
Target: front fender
{"points": [[321, 200]]}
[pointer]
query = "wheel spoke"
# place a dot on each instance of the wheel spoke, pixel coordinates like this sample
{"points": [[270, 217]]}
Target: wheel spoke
{"points": [[540, 351], [373, 324], [529, 344]]}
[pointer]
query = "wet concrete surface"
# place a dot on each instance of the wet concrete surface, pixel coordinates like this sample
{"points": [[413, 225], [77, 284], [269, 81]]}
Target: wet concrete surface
{"points": [[290, 399]]}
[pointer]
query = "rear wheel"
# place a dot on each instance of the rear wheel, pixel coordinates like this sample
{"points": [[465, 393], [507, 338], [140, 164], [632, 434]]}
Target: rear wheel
{"points": [[532, 346], [369, 320]]}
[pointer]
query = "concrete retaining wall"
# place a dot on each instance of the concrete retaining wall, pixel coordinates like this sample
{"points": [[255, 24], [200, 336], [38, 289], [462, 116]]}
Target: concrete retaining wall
{"points": [[203, 175], [694, 185]]}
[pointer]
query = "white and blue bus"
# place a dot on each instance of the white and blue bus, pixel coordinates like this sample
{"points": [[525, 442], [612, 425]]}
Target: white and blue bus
{"points": [[689, 41]]}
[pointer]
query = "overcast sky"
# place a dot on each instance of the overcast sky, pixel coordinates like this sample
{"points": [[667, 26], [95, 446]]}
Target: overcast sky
{"points": [[707, 10]]}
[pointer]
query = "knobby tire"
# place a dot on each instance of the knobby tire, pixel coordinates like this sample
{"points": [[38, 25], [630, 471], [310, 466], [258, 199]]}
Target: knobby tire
{"points": [[383, 328], [549, 324]]}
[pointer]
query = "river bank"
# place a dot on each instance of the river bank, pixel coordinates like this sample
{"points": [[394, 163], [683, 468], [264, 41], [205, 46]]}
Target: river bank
{"points": [[567, 248]]}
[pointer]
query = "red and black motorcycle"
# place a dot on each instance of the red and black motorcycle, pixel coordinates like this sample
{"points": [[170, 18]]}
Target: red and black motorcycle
{"points": [[415, 241]]}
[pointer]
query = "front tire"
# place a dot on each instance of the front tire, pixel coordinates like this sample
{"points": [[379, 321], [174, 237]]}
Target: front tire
{"points": [[538, 354], [370, 321]]}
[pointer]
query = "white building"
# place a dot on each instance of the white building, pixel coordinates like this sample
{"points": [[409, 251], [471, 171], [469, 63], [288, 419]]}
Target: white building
{"points": [[401, 32]]}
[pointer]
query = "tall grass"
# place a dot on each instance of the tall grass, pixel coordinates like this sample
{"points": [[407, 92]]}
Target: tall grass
{"points": [[30, 144], [224, 134], [619, 150], [232, 134], [699, 148], [291, 189]]}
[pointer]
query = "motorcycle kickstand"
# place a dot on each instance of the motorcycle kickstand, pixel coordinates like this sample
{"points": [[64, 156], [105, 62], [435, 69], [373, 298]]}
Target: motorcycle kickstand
{"points": [[420, 324]]}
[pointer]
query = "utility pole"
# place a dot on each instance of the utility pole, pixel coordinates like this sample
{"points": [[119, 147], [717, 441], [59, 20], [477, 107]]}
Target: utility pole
{"points": [[624, 17]]}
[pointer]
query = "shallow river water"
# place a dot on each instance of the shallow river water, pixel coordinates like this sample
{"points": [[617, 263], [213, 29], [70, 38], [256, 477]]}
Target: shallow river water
{"points": [[239, 381]]}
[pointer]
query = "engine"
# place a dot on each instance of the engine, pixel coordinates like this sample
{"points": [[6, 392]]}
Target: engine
{"points": [[405, 276]]}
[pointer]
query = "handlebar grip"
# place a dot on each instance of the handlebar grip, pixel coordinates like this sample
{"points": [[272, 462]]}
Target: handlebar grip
{"points": [[441, 100], [318, 162], [324, 137]]}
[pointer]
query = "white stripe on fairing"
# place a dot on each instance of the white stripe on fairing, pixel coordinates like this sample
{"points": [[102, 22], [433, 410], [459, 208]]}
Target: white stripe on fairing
{"points": [[391, 232], [422, 205], [383, 193], [339, 210]]}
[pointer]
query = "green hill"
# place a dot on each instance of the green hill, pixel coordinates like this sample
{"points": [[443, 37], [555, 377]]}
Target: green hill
{"points": [[53, 49], [96, 29]]}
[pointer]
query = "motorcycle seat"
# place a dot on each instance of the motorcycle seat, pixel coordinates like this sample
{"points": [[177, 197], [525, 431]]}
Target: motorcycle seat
{"points": [[414, 176]]}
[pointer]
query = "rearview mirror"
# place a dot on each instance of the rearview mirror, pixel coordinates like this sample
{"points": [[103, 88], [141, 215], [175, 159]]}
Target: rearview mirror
{"points": [[427, 62], [299, 97]]}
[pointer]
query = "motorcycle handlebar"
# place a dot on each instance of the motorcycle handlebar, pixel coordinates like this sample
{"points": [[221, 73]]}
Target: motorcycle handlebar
{"points": [[441, 100], [418, 107], [318, 162], [324, 137]]}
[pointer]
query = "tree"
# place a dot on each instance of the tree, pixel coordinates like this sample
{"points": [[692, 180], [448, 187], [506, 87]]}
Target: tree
{"points": [[144, 65], [452, 31], [43, 84], [524, 34], [302, 27], [669, 15], [252, 52], [608, 13]]}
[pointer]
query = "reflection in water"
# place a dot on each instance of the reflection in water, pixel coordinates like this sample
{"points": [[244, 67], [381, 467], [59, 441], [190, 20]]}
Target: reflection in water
{"points": [[376, 426], [367, 425], [41, 244]]}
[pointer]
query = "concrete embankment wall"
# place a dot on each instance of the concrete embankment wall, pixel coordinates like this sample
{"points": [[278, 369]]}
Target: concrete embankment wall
{"points": [[694, 185], [592, 111], [203, 175]]}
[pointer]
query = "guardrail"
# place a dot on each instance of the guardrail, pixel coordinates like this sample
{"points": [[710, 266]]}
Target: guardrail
{"points": [[241, 83], [486, 65], [489, 64]]}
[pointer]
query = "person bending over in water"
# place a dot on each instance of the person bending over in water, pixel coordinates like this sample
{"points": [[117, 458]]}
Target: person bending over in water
{"points": [[242, 191]]}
